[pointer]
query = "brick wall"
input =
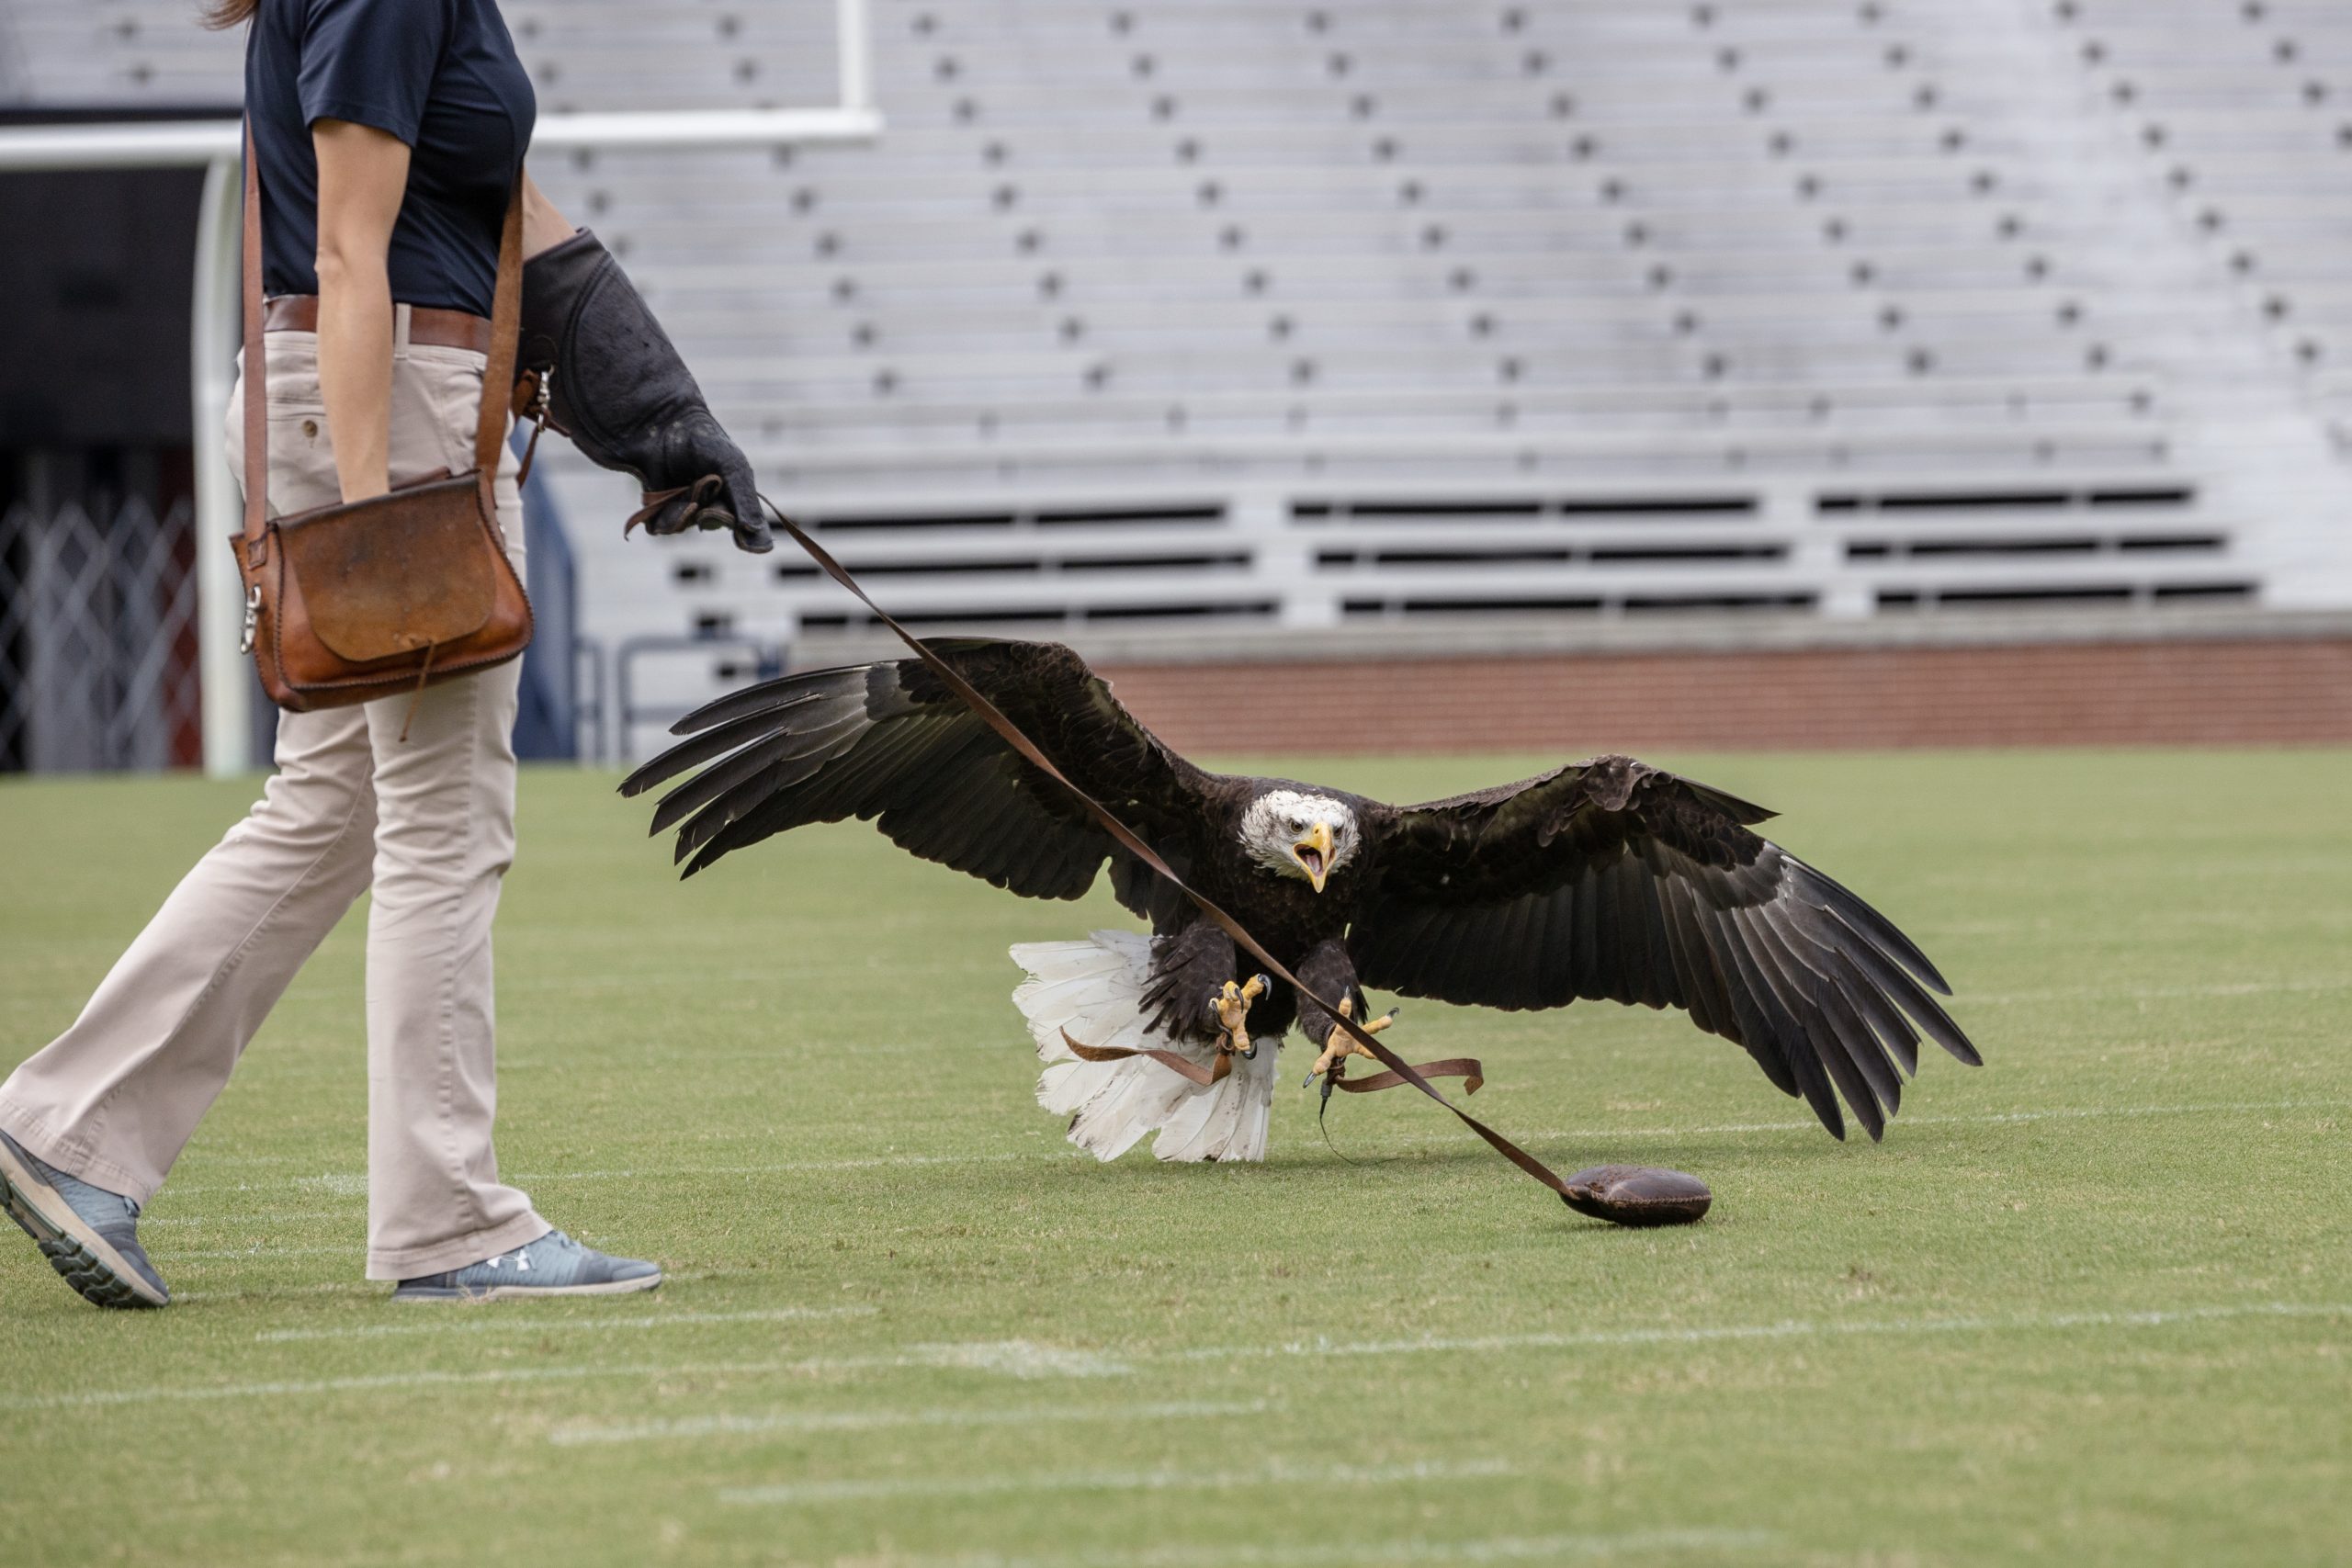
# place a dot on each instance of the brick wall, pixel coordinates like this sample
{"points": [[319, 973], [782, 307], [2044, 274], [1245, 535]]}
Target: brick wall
{"points": [[2207, 691]]}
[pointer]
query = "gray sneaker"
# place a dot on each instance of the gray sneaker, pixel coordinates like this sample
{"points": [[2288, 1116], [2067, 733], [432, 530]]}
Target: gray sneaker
{"points": [[88, 1235], [555, 1265]]}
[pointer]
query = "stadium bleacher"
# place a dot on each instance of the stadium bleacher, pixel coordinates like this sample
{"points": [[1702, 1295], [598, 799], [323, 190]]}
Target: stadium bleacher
{"points": [[1238, 312]]}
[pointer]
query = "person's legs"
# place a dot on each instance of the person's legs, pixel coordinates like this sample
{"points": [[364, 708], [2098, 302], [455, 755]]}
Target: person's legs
{"points": [[420, 797], [438, 1218], [444, 836]]}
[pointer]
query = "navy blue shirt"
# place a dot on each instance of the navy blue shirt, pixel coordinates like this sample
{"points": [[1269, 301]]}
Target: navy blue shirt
{"points": [[439, 74]]}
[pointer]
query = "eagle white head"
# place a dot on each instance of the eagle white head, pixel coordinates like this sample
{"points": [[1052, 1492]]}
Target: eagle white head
{"points": [[1292, 833]]}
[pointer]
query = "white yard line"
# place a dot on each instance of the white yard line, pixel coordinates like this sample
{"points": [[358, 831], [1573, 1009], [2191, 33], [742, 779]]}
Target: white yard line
{"points": [[379, 1289], [1982, 1119], [265, 1293], [1790, 1328], [1022, 1359], [868, 1162], [317, 1185], [1011, 1357], [293, 1387], [225, 1157], [1275, 1473], [1646, 1545], [1014, 1357], [504, 1320], [689, 1426], [256, 1218], [871, 1162], [2164, 993]]}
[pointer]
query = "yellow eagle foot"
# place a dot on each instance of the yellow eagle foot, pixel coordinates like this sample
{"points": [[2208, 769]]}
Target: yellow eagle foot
{"points": [[1339, 1045], [1232, 1006]]}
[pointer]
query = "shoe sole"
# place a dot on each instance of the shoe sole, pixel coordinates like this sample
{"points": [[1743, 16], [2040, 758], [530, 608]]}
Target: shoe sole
{"points": [[527, 1293], [86, 1259]]}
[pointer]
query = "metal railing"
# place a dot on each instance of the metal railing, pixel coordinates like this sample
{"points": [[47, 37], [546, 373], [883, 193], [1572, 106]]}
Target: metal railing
{"points": [[98, 660]]}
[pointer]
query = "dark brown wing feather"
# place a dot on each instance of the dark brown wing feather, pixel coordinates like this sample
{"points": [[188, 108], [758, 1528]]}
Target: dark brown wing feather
{"points": [[1611, 880], [889, 743]]}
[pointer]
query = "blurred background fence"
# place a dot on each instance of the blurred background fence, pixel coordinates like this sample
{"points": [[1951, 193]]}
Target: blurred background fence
{"points": [[98, 666], [98, 628], [1796, 371]]}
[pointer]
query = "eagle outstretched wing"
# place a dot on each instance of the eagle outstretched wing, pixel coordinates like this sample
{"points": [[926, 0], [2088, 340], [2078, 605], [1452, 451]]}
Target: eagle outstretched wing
{"points": [[890, 743], [1610, 879]]}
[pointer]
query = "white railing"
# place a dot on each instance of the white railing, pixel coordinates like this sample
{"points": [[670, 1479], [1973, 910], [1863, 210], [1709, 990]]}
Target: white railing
{"points": [[1331, 560]]}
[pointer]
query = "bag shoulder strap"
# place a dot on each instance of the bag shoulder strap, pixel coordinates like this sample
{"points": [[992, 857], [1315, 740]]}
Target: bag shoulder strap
{"points": [[498, 375], [256, 370], [506, 333]]}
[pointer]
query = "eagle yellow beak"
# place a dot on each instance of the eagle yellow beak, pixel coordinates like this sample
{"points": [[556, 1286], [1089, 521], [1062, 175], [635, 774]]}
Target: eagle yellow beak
{"points": [[1313, 853]]}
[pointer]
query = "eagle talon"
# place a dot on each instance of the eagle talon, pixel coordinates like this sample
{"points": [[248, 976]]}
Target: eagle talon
{"points": [[1338, 1044], [1232, 1004]]}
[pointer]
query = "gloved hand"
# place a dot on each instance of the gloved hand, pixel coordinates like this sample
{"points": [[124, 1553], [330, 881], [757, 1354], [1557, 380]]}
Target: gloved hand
{"points": [[614, 383]]}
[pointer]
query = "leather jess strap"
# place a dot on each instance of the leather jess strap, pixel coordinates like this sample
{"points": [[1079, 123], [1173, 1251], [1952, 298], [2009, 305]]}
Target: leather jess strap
{"points": [[1467, 1069], [1399, 1070], [1183, 1067]]}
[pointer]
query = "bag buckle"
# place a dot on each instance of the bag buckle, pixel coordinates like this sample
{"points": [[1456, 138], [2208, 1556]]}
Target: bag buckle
{"points": [[536, 411], [253, 618]]}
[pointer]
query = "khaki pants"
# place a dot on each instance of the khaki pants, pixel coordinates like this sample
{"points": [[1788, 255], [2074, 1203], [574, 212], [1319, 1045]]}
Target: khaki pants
{"points": [[427, 823]]}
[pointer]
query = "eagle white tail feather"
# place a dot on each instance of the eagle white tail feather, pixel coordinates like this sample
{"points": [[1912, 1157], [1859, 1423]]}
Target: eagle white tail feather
{"points": [[1094, 989]]}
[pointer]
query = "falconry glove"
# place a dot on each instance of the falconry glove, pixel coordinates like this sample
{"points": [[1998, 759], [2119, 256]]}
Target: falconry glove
{"points": [[611, 380]]}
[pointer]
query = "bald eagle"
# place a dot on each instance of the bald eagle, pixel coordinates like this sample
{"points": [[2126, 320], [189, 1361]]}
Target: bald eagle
{"points": [[1605, 879]]}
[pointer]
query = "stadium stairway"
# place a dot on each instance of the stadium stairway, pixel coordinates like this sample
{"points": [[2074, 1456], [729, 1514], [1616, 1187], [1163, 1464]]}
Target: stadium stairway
{"points": [[1241, 315]]}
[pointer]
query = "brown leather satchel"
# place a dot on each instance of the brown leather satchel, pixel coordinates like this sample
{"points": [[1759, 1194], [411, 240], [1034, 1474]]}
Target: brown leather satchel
{"points": [[346, 603]]}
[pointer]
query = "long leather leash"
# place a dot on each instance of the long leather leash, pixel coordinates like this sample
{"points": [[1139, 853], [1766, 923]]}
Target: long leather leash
{"points": [[1399, 1070]]}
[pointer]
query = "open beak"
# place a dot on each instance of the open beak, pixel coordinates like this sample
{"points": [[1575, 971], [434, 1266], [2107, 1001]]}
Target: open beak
{"points": [[1313, 853]]}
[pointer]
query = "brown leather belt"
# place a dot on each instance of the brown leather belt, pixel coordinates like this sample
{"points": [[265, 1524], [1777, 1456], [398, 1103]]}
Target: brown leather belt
{"points": [[443, 328]]}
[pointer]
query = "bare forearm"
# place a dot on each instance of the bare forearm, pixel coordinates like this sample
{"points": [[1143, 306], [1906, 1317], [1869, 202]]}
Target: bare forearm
{"points": [[363, 175], [355, 371]]}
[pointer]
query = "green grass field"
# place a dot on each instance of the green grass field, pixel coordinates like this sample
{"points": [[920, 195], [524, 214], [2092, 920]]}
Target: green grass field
{"points": [[2091, 1303]]}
